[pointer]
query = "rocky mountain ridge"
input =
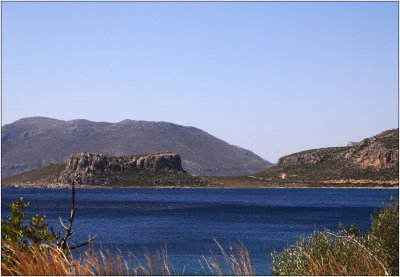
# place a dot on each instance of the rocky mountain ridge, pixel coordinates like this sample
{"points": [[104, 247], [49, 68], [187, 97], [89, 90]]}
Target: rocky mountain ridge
{"points": [[372, 163], [35, 142]]}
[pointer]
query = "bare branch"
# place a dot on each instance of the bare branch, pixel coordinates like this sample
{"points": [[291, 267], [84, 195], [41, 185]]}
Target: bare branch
{"points": [[63, 242], [71, 219], [82, 244], [62, 224]]}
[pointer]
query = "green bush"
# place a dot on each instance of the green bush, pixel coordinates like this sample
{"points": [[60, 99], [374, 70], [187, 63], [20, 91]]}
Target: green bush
{"points": [[15, 232], [383, 239], [351, 251]]}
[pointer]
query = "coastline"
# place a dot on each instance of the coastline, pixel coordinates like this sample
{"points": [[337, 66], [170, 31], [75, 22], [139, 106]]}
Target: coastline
{"points": [[291, 186]]}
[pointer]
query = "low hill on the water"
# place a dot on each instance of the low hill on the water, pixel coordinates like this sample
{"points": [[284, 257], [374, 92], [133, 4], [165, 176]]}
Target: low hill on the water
{"points": [[373, 162], [98, 170], [36, 142]]}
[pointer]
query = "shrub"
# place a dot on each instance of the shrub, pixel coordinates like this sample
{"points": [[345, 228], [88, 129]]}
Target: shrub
{"points": [[351, 251], [14, 231], [383, 239]]}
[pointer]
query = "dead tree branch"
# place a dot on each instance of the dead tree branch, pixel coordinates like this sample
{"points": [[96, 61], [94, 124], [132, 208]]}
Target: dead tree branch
{"points": [[82, 244], [62, 224], [63, 242], [68, 232]]}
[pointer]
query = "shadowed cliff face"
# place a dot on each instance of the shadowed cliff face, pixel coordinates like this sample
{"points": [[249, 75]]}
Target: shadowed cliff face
{"points": [[84, 167]]}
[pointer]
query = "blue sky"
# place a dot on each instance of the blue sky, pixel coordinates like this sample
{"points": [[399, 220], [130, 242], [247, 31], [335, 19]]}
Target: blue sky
{"points": [[272, 77]]}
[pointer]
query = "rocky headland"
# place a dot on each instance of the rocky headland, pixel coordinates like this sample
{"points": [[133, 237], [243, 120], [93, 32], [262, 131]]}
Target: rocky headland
{"points": [[373, 161], [97, 170]]}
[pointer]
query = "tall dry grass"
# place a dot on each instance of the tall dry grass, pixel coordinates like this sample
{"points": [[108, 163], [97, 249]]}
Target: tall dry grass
{"points": [[50, 260], [237, 261], [364, 265], [33, 260]]}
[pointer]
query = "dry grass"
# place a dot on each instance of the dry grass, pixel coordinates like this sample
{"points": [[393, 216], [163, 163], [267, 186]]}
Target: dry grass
{"points": [[34, 260], [364, 265], [237, 262], [50, 260]]}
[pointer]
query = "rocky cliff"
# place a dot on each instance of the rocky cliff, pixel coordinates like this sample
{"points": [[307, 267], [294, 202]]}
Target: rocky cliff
{"points": [[93, 169], [85, 167], [373, 160], [380, 151]]}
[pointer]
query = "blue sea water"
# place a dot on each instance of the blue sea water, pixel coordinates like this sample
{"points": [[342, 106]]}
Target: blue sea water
{"points": [[186, 221]]}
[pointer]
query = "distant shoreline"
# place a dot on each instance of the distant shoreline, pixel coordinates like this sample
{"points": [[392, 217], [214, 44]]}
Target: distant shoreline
{"points": [[64, 186]]}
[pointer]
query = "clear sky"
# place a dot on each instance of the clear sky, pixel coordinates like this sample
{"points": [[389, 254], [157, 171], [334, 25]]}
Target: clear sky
{"points": [[272, 77]]}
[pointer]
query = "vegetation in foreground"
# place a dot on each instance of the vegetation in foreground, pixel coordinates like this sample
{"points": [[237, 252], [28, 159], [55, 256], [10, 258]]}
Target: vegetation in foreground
{"points": [[30, 250], [351, 251]]}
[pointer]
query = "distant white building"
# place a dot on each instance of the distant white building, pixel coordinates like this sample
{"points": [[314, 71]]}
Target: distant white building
{"points": [[352, 143]]}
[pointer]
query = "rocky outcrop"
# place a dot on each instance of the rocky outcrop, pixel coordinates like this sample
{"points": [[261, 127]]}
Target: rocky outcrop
{"points": [[89, 167], [92, 170], [372, 162], [380, 151], [352, 143]]}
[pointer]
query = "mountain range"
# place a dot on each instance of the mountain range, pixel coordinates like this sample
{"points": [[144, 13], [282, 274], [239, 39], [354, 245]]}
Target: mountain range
{"points": [[373, 162], [35, 142]]}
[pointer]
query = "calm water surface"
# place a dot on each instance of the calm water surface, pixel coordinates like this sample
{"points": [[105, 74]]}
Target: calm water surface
{"points": [[187, 220]]}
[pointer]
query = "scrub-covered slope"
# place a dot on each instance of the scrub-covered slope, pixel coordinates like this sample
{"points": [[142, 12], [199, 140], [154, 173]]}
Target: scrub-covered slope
{"points": [[373, 160]]}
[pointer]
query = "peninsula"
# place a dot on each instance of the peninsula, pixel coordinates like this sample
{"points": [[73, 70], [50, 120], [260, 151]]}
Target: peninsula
{"points": [[93, 170]]}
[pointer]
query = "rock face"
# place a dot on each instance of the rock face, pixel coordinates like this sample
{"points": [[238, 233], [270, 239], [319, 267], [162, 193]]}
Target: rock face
{"points": [[380, 151], [36, 142], [374, 160], [86, 167]]}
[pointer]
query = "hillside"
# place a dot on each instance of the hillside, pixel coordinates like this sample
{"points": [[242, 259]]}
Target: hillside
{"points": [[35, 142], [374, 160], [97, 170]]}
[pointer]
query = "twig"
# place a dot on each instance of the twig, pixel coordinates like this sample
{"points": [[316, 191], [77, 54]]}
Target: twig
{"points": [[62, 224], [82, 244]]}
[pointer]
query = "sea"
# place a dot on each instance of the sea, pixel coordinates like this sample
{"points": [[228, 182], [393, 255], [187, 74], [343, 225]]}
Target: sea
{"points": [[188, 222]]}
